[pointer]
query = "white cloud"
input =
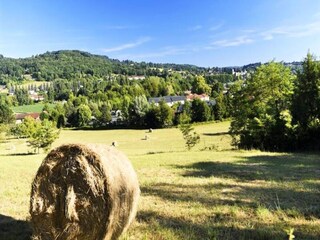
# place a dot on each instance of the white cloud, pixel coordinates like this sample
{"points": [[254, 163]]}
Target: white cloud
{"points": [[249, 36], [241, 40], [127, 45], [167, 51], [293, 31], [196, 28], [216, 27]]}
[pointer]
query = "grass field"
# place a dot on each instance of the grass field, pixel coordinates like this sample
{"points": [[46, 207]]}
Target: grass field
{"points": [[31, 108], [202, 194]]}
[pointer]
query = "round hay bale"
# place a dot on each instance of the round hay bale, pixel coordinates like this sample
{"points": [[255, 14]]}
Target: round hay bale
{"points": [[83, 192]]}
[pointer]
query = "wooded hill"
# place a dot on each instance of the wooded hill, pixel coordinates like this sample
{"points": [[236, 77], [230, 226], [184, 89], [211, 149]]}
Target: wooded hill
{"points": [[68, 64]]}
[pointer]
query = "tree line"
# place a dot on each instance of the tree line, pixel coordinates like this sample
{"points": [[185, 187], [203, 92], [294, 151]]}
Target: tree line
{"points": [[277, 110]]}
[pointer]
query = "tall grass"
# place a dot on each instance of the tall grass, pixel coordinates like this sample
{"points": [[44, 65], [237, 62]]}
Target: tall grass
{"points": [[198, 194]]}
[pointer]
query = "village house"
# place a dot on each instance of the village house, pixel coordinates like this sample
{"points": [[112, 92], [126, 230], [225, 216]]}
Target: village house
{"points": [[136, 77], [169, 100], [116, 116], [35, 97], [202, 97], [21, 116]]}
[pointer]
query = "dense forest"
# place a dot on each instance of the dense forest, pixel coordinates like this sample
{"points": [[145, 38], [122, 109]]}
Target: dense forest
{"points": [[272, 106], [74, 64]]}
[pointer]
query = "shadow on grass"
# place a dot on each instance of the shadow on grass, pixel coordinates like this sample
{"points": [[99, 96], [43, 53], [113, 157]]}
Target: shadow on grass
{"points": [[286, 186], [300, 170], [12, 229], [186, 229], [290, 167], [186, 193], [19, 154], [216, 134], [218, 224], [294, 202]]}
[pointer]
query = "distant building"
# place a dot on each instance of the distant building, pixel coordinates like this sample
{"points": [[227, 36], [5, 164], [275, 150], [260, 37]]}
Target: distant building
{"points": [[203, 97], [169, 100], [37, 98], [21, 116], [136, 77], [116, 116], [242, 74]]}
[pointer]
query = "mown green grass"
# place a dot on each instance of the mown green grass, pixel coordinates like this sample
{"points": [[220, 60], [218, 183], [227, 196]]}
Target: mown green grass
{"points": [[31, 108], [202, 194]]}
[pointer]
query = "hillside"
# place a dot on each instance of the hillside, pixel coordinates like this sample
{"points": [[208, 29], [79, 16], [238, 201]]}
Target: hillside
{"points": [[73, 63], [67, 64]]}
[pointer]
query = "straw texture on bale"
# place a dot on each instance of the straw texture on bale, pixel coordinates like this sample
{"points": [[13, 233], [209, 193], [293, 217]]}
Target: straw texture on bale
{"points": [[83, 192]]}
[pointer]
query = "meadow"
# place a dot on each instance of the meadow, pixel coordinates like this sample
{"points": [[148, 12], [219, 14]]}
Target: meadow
{"points": [[31, 108], [210, 192]]}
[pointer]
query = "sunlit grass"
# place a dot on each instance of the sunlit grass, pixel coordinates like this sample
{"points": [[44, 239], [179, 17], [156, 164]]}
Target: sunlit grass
{"points": [[38, 107], [197, 194]]}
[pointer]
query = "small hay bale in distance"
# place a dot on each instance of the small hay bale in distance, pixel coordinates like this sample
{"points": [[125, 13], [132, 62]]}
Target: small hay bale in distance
{"points": [[83, 192]]}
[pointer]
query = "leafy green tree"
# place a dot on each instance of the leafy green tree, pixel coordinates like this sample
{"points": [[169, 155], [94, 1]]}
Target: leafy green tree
{"points": [[200, 86], [187, 108], [230, 103], [219, 109], [166, 114], [306, 104], [125, 104], [189, 135], [94, 107], [160, 116], [183, 118], [61, 121], [261, 113], [50, 94], [200, 111], [4, 130], [70, 112], [152, 86], [44, 115], [22, 96], [105, 116], [43, 136], [25, 129], [153, 117], [6, 114], [216, 89], [83, 115], [137, 110]]}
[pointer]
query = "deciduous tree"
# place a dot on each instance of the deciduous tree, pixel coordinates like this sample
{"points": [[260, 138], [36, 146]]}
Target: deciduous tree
{"points": [[43, 136], [261, 116]]}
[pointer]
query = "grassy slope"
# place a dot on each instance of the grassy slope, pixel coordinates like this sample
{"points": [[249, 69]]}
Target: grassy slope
{"points": [[31, 108], [201, 194]]}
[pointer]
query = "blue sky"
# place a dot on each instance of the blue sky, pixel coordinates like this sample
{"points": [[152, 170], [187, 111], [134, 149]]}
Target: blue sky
{"points": [[201, 32]]}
